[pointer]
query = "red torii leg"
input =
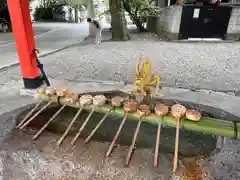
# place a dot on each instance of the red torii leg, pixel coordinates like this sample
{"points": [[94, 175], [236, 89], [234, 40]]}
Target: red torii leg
{"points": [[25, 43]]}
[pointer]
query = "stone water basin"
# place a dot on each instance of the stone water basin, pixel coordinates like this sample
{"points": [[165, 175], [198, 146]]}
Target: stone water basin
{"points": [[41, 159]]}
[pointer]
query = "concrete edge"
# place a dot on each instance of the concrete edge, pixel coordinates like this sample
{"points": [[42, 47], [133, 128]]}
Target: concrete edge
{"points": [[122, 85], [224, 101]]}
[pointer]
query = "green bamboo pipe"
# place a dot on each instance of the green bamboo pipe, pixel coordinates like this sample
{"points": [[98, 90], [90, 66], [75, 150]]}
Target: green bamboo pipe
{"points": [[206, 125]]}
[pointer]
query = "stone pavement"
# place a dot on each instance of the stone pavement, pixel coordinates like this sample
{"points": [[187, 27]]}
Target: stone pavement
{"points": [[6, 38], [62, 35]]}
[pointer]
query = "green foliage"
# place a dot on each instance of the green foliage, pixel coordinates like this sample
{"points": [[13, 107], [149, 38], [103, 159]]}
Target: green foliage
{"points": [[140, 10], [3, 5], [47, 10], [43, 14], [82, 7], [143, 8], [4, 10], [4, 14]]}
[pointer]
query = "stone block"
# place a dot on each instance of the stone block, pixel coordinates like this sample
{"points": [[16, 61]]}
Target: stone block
{"points": [[169, 20]]}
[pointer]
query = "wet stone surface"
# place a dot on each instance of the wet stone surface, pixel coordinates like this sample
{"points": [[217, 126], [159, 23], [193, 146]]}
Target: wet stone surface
{"points": [[191, 144]]}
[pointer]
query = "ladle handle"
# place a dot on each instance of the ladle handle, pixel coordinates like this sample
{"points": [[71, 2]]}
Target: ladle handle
{"points": [[82, 127], [35, 115], [157, 143], [116, 135], [69, 127], [29, 114], [97, 127], [48, 122], [175, 160], [133, 143]]}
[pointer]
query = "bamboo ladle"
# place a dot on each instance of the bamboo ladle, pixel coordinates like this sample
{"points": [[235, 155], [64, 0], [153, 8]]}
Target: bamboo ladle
{"points": [[129, 106], [160, 110], [70, 97], [47, 91], [41, 90], [29, 114], [177, 111], [97, 100], [143, 110], [115, 102], [83, 100]]}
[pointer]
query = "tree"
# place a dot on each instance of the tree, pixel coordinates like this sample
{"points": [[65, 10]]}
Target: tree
{"points": [[4, 14], [140, 10], [48, 9], [118, 21]]}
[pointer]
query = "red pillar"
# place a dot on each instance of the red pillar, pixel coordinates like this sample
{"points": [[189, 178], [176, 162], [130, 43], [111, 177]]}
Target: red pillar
{"points": [[24, 37]]}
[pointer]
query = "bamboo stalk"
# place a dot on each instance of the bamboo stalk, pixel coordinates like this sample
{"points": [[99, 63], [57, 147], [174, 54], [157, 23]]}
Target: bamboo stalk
{"points": [[48, 122], [116, 135], [206, 125], [35, 115], [133, 142], [69, 127], [29, 114], [168, 120], [155, 163], [82, 127], [96, 128]]}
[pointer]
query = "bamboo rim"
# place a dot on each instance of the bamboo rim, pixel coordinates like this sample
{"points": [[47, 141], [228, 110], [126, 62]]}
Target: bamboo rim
{"points": [[206, 125]]}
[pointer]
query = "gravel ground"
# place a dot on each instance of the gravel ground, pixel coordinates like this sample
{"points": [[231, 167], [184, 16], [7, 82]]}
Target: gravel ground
{"points": [[191, 65]]}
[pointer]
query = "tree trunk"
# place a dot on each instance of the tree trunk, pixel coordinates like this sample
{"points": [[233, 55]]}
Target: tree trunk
{"points": [[9, 27], [133, 16], [139, 25], [91, 14], [76, 14], [119, 28]]}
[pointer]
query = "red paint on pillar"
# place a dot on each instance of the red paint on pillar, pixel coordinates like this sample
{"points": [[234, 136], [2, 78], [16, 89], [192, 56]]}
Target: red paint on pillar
{"points": [[24, 37]]}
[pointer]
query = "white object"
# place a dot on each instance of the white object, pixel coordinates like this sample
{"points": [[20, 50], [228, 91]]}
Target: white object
{"points": [[86, 99], [98, 36], [204, 39], [196, 13], [99, 100], [98, 31]]}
